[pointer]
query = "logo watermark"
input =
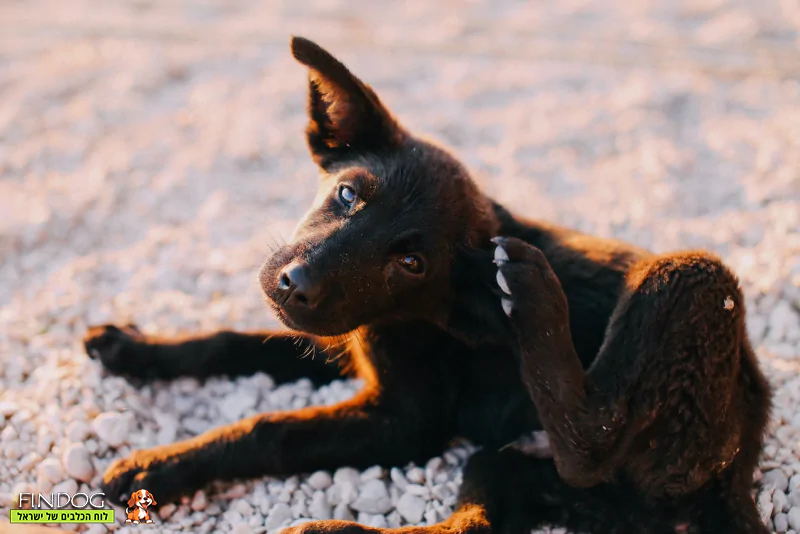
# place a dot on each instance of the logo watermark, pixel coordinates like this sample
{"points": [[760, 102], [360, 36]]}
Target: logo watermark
{"points": [[61, 508]]}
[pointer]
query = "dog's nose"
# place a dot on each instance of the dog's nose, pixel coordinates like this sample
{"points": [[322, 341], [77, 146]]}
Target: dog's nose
{"points": [[298, 287]]}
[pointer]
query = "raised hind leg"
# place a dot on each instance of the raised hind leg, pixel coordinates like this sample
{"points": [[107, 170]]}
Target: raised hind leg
{"points": [[674, 394]]}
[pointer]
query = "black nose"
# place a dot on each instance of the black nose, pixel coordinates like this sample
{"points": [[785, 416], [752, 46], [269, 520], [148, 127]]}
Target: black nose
{"points": [[297, 286]]}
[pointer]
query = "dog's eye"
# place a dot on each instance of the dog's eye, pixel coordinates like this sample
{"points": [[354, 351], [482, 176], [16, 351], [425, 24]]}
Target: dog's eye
{"points": [[347, 195], [412, 263]]}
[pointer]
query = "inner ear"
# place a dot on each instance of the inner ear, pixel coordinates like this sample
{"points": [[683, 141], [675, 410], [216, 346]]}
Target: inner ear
{"points": [[345, 115]]}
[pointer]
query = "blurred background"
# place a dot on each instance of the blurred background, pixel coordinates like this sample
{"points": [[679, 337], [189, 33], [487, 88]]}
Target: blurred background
{"points": [[151, 153]]}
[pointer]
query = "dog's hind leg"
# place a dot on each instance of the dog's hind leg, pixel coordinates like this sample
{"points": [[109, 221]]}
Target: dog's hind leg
{"points": [[675, 394], [284, 356]]}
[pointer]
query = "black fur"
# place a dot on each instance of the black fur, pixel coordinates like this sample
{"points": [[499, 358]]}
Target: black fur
{"points": [[642, 376]]}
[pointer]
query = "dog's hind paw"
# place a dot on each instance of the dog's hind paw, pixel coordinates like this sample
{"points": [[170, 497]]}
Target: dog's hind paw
{"points": [[115, 347]]}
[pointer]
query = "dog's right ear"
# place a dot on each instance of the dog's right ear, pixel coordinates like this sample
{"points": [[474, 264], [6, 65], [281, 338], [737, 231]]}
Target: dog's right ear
{"points": [[132, 500], [345, 115]]}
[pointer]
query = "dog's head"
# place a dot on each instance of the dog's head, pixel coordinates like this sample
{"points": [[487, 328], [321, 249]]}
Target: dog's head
{"points": [[391, 215], [141, 498]]}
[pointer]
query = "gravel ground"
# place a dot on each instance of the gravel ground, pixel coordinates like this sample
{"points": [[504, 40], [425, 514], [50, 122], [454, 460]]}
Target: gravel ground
{"points": [[151, 152]]}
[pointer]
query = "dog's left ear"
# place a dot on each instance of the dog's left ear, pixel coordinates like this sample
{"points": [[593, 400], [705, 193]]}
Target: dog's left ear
{"points": [[345, 115], [153, 499]]}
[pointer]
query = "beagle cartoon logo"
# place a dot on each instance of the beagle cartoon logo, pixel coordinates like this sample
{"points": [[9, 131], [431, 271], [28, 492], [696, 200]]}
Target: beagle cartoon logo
{"points": [[138, 504]]}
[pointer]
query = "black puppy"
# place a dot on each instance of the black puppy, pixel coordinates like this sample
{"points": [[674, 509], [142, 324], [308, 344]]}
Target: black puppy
{"points": [[638, 366]]}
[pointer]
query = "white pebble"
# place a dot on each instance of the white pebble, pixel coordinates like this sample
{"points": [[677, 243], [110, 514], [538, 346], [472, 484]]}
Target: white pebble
{"points": [[112, 428], [411, 508], [320, 480], [342, 512], [78, 462], [775, 478], [319, 507], [50, 469], [199, 501], [279, 514], [780, 501], [372, 473], [373, 498], [345, 475], [794, 518], [781, 522], [237, 403]]}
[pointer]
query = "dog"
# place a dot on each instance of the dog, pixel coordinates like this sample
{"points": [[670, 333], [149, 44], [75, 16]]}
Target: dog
{"points": [[138, 504], [463, 319]]}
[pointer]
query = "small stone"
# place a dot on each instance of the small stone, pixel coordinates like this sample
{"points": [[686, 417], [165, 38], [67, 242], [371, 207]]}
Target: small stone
{"points": [[68, 486], [411, 508], [794, 482], [320, 480], [780, 501], [398, 478], [415, 475], [347, 475], [421, 491], [78, 431], [237, 403], [765, 506], [279, 514], [167, 428], [794, 518], [78, 462], [242, 528], [431, 517], [775, 478], [781, 523], [319, 507], [342, 512], [373, 473], [199, 501], [243, 507], [373, 498], [51, 469], [166, 511], [794, 498], [112, 428]]}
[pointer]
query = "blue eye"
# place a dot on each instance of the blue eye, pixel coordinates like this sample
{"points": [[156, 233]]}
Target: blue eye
{"points": [[347, 195]]}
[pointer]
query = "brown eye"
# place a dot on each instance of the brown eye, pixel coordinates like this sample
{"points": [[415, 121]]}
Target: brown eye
{"points": [[412, 263]]}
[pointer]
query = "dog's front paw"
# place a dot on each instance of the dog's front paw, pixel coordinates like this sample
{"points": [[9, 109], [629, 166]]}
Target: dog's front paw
{"points": [[117, 348], [532, 293], [330, 527], [157, 470]]}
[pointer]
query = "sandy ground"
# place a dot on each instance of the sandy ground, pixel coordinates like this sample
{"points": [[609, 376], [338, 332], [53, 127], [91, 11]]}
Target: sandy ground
{"points": [[151, 152]]}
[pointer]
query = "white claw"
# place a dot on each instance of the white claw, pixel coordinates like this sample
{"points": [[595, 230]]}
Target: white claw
{"points": [[501, 281], [500, 255], [507, 306]]}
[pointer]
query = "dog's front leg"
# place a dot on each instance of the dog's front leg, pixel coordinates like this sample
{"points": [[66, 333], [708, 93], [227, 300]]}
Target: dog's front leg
{"points": [[285, 356], [360, 432]]}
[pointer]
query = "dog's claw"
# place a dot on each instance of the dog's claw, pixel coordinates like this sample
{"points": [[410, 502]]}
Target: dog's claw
{"points": [[500, 255], [508, 306], [501, 281]]}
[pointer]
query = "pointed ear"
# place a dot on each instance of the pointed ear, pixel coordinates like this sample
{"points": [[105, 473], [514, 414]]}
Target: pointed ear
{"points": [[345, 116]]}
